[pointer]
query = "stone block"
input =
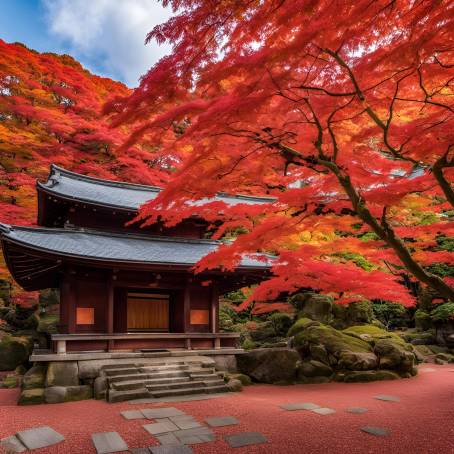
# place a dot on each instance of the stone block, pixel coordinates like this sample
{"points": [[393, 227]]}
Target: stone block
{"points": [[100, 387], [387, 398], [62, 373], [35, 377], [357, 410], [40, 437], [226, 363], [55, 394], [31, 396], [107, 442]]}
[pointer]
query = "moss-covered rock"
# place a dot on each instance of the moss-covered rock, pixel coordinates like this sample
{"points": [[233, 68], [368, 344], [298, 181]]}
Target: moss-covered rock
{"points": [[419, 337], [359, 312], [59, 394], [333, 341], [269, 365], [62, 373], [14, 351], [234, 385], [281, 323], [394, 355], [369, 375], [444, 358], [313, 368], [316, 307], [357, 360], [35, 377], [10, 381], [31, 396], [371, 334], [300, 325], [243, 378]]}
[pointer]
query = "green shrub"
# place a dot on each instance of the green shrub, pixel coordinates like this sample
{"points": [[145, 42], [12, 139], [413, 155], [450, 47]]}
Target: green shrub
{"points": [[423, 322], [443, 312], [281, 323], [390, 314], [248, 344]]}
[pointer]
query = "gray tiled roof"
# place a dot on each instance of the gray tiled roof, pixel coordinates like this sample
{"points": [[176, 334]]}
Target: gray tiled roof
{"points": [[110, 247], [118, 194]]}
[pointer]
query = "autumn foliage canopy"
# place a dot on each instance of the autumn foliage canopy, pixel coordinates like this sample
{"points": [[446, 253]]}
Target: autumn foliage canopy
{"points": [[341, 111], [50, 112]]}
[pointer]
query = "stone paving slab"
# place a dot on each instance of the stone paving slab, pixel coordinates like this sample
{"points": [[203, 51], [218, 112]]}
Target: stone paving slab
{"points": [[182, 422], [168, 439], [300, 406], [12, 444], [387, 398], [163, 426], [107, 442], [357, 410], [196, 431], [165, 412], [377, 431], [323, 411], [221, 421], [169, 449], [132, 414], [40, 437], [140, 451], [190, 398], [245, 439], [427, 369]]}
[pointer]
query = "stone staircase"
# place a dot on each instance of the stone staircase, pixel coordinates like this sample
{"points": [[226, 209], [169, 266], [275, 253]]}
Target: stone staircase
{"points": [[162, 379]]}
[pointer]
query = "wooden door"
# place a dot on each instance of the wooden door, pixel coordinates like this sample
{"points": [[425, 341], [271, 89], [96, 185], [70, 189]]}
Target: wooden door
{"points": [[148, 312]]}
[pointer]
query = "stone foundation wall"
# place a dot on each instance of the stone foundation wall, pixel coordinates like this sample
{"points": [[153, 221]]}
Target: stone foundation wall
{"points": [[64, 381]]}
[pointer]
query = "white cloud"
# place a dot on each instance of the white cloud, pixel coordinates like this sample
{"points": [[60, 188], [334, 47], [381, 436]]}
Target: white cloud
{"points": [[108, 35]]}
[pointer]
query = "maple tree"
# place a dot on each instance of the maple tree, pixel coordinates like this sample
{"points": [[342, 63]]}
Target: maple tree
{"points": [[50, 112], [341, 111]]}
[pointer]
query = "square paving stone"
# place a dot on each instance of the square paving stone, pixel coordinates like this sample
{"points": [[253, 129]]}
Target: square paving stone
{"points": [[357, 410], [300, 406], [245, 439], [187, 424], [160, 427], [40, 437], [377, 431], [169, 449], [12, 444], [132, 414], [324, 411], [106, 442], [196, 431], [166, 412], [168, 439], [387, 398], [139, 451], [222, 421]]}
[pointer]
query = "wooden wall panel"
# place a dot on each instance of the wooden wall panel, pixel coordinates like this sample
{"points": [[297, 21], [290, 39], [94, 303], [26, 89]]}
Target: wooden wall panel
{"points": [[148, 311]]}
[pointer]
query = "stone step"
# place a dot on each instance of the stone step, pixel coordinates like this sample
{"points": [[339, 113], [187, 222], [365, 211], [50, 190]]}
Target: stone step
{"points": [[121, 366], [121, 396], [121, 371], [190, 390], [185, 384], [136, 384], [129, 377], [169, 368]]}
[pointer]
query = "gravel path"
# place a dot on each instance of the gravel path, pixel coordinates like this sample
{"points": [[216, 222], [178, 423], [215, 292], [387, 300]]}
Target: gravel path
{"points": [[422, 422]]}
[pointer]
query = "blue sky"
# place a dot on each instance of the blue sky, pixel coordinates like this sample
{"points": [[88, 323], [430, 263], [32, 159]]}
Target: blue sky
{"points": [[106, 36]]}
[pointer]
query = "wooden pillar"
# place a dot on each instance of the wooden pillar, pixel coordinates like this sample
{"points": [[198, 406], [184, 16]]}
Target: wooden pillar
{"points": [[71, 301], [110, 312], [214, 308], [187, 307], [214, 314]]}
